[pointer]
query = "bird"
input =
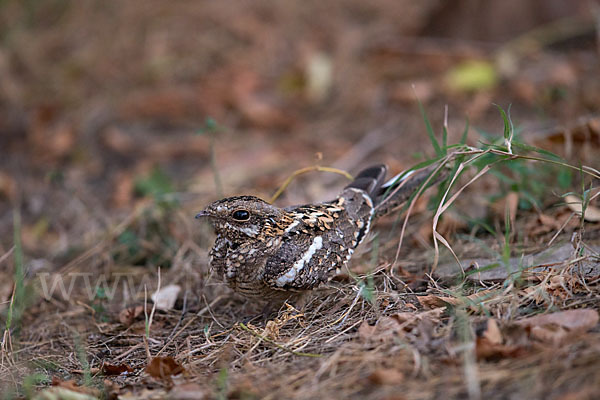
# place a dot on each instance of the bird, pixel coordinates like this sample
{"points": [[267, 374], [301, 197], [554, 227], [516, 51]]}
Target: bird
{"points": [[270, 253]]}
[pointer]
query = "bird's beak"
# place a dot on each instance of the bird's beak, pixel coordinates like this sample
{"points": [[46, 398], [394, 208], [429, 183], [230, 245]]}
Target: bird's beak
{"points": [[202, 214]]}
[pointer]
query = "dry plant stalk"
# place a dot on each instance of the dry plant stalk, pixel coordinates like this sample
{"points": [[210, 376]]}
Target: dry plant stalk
{"points": [[301, 171], [444, 205]]}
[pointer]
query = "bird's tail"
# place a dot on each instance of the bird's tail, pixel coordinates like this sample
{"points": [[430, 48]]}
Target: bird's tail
{"points": [[388, 196]]}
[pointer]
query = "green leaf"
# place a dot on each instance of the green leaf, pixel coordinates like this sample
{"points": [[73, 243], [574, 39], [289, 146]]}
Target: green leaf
{"points": [[527, 147], [472, 75], [508, 126], [564, 178]]}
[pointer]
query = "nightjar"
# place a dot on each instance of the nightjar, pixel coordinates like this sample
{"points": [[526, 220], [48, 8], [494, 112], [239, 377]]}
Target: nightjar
{"points": [[263, 251]]}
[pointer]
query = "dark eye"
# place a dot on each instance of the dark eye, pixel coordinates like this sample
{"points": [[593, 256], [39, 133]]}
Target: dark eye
{"points": [[241, 215]]}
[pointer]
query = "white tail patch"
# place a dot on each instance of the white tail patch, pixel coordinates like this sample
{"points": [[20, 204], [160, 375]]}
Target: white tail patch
{"points": [[395, 178]]}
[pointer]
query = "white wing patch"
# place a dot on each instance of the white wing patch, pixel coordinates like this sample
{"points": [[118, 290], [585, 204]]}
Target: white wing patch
{"points": [[292, 226], [291, 273]]}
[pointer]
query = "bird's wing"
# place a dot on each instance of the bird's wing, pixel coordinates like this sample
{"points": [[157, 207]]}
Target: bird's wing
{"points": [[320, 240]]}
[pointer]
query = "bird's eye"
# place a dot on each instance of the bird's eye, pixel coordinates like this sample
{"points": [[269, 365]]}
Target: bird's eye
{"points": [[241, 215]]}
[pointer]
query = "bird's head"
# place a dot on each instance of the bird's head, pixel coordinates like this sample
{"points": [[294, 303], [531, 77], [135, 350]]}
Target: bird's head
{"points": [[244, 216]]}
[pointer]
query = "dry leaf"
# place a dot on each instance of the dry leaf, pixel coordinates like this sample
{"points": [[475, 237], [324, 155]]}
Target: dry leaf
{"points": [[166, 297], [431, 301], [385, 329], [557, 327], [114, 370], [512, 203], [189, 391], [271, 330], [592, 214], [383, 376], [123, 188], [398, 324], [61, 393], [128, 315], [50, 137], [72, 386], [486, 350], [544, 224], [490, 344], [8, 186], [579, 320], [366, 331], [492, 332], [163, 367], [564, 286]]}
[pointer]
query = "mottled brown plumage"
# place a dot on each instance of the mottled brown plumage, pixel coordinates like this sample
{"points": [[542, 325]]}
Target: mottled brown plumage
{"points": [[263, 251]]}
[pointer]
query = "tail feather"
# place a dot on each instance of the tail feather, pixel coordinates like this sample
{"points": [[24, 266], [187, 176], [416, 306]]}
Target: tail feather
{"points": [[388, 196], [370, 180]]}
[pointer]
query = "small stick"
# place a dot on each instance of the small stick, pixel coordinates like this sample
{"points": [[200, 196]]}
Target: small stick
{"points": [[303, 171]]}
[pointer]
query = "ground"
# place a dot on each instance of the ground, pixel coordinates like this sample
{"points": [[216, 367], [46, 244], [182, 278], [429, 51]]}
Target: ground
{"points": [[121, 120]]}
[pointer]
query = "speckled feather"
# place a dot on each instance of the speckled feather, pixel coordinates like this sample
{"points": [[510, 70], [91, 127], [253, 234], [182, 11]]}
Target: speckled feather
{"points": [[263, 251]]}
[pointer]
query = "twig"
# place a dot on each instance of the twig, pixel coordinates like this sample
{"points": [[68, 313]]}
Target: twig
{"points": [[303, 171], [7, 254], [183, 312], [198, 314]]}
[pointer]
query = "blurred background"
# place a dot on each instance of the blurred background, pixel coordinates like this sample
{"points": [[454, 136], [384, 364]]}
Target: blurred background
{"points": [[107, 103]]}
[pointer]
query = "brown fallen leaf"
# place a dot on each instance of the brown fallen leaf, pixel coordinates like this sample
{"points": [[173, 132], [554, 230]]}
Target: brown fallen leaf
{"points": [[579, 320], [114, 370], [490, 344], [163, 368], [61, 393], [388, 327], [431, 301], [564, 286], [8, 186], [123, 189], [72, 386], [508, 203], [555, 328], [128, 315], [271, 330], [592, 214], [492, 332], [111, 389], [366, 331], [486, 350], [384, 376], [50, 136], [189, 391]]}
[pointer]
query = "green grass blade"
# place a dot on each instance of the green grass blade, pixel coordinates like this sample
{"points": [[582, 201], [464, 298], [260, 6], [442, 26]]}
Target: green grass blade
{"points": [[463, 138], [430, 133], [508, 129]]}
